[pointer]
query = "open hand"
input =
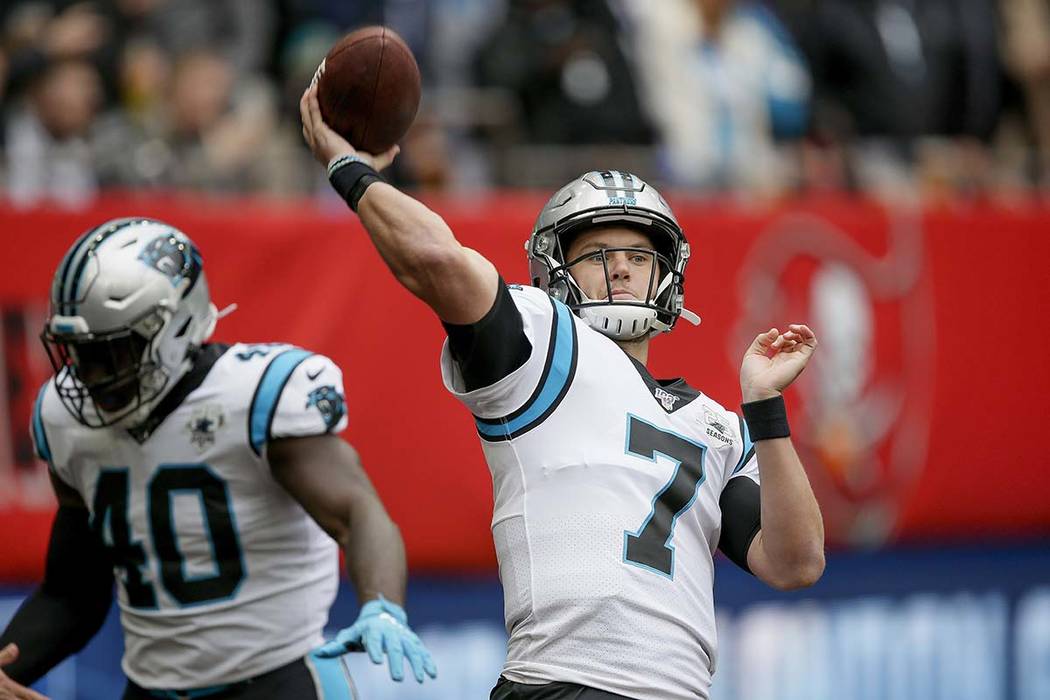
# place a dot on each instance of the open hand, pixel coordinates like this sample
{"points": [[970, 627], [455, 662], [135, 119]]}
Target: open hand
{"points": [[382, 628], [773, 360], [9, 690], [326, 144]]}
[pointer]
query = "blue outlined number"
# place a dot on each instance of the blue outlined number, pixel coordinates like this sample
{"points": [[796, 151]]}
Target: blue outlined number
{"points": [[110, 522], [169, 480], [651, 546]]}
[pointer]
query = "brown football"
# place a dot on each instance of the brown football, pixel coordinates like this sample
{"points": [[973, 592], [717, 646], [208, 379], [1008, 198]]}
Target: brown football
{"points": [[369, 88]]}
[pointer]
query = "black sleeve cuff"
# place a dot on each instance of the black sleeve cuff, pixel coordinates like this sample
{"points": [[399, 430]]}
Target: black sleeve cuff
{"points": [[741, 519], [71, 604], [492, 348], [350, 177], [766, 419]]}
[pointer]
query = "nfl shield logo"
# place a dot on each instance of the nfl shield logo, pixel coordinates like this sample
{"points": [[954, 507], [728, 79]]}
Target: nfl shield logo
{"points": [[666, 399]]}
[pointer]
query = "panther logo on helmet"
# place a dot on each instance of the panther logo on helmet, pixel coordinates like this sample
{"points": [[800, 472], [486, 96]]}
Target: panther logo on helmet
{"points": [[174, 258]]}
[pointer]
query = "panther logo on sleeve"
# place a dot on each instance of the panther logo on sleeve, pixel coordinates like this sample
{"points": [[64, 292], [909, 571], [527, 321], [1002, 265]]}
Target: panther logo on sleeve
{"points": [[329, 402]]}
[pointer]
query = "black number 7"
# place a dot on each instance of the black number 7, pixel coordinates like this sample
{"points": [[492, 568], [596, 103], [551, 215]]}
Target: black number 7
{"points": [[650, 546]]}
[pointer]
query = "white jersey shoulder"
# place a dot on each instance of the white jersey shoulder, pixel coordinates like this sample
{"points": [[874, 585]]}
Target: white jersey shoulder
{"points": [[222, 575], [281, 391], [523, 396], [298, 393]]}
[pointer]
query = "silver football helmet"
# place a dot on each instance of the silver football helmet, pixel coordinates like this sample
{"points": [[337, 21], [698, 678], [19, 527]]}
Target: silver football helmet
{"points": [[611, 198], [129, 307]]}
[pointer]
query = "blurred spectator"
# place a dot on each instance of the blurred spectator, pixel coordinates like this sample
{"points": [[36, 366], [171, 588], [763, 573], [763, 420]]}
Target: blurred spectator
{"points": [[241, 30], [302, 48], [199, 129], [145, 78], [459, 28], [36, 34], [723, 81], [563, 62], [301, 51], [38, 31], [411, 19], [48, 136], [908, 95], [890, 71], [343, 15], [424, 164], [1026, 51]]}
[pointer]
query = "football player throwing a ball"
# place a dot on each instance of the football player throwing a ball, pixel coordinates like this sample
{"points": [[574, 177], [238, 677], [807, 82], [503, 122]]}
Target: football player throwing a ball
{"points": [[612, 488]]}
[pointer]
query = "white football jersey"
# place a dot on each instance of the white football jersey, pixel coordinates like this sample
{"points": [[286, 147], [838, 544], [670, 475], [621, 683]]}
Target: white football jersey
{"points": [[607, 515], [222, 574]]}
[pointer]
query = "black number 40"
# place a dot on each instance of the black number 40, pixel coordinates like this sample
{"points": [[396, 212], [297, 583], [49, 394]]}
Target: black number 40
{"points": [[110, 522]]}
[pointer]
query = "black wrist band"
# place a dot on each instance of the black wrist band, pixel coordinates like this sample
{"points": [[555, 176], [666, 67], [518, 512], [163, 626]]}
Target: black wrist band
{"points": [[350, 176], [766, 419]]}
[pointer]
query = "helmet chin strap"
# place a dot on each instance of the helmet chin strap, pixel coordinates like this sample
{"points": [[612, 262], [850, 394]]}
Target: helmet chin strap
{"points": [[689, 316], [225, 311], [684, 313]]}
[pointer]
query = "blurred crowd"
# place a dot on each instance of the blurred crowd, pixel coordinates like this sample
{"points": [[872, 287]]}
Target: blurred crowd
{"points": [[944, 98]]}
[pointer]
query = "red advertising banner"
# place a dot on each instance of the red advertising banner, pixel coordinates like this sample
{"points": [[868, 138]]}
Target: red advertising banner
{"points": [[919, 418]]}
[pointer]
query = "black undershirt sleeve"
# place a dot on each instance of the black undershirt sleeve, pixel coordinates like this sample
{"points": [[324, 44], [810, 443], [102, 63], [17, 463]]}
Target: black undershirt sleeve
{"points": [[741, 519], [71, 604], [492, 348]]}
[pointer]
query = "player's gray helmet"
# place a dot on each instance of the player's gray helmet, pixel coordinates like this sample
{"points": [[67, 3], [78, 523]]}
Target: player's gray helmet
{"points": [[604, 198], [129, 306]]}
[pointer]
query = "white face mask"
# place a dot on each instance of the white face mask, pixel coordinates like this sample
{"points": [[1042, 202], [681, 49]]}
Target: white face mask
{"points": [[626, 320], [619, 321]]}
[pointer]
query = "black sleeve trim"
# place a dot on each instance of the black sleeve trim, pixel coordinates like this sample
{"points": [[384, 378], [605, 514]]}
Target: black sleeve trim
{"points": [[71, 604], [492, 348], [741, 519], [559, 370]]}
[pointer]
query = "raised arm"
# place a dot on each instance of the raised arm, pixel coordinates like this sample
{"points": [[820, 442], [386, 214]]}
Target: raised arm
{"points": [[788, 551], [68, 608], [417, 245]]}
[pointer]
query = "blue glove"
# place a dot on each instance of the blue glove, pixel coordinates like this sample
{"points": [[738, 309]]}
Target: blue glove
{"points": [[381, 627]]}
